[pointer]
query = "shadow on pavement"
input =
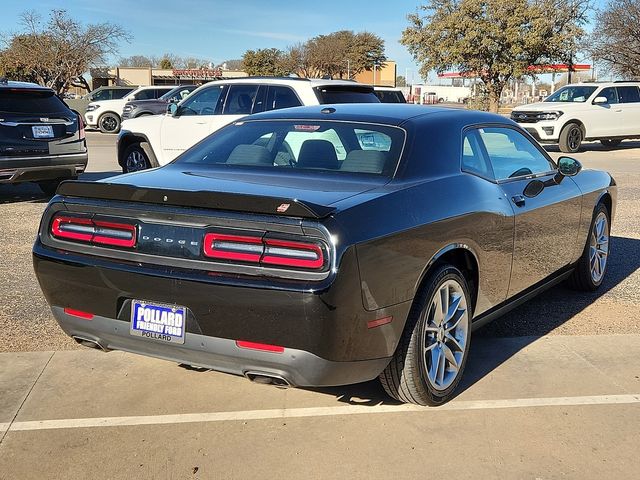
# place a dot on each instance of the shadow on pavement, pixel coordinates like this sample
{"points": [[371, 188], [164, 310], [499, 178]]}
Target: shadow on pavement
{"points": [[31, 193], [595, 147], [528, 323]]}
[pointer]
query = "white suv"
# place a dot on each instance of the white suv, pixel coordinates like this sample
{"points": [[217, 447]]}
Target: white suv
{"points": [[156, 140], [609, 112], [107, 114]]}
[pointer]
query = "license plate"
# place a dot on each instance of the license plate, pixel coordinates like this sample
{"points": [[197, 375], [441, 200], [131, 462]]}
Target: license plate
{"points": [[163, 323], [42, 131]]}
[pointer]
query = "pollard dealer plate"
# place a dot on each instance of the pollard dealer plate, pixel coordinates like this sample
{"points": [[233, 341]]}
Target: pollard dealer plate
{"points": [[163, 323]]}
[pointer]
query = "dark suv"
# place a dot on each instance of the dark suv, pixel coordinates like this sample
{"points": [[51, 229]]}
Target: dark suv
{"points": [[41, 139], [138, 108]]}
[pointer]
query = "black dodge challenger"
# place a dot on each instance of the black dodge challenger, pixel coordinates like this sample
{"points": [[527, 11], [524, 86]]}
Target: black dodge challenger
{"points": [[325, 245]]}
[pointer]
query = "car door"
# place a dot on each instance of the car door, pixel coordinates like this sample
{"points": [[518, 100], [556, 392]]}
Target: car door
{"points": [[604, 119], [240, 101], [191, 122], [546, 224], [629, 97]]}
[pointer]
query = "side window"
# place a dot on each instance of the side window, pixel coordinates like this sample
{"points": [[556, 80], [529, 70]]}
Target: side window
{"points": [[119, 93], [205, 102], [629, 94], [101, 95], [473, 159], [240, 99], [147, 94], [610, 94], [511, 154], [281, 97], [161, 91]]}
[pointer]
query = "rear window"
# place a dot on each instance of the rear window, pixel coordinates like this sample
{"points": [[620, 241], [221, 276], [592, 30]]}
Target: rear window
{"points": [[340, 147], [327, 95], [31, 102]]}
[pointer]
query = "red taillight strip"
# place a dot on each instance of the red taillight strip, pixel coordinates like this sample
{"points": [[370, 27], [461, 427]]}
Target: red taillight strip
{"points": [[230, 247], [94, 231], [379, 322], [79, 313], [259, 346], [292, 254]]}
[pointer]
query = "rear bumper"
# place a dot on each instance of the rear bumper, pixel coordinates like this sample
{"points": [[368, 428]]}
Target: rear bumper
{"points": [[33, 169], [298, 367]]}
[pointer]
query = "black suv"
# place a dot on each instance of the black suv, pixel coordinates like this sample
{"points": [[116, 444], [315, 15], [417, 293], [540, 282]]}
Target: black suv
{"points": [[41, 139], [138, 108]]}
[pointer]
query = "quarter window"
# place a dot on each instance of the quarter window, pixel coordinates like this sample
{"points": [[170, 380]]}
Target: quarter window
{"points": [[281, 97], [473, 159], [512, 155]]}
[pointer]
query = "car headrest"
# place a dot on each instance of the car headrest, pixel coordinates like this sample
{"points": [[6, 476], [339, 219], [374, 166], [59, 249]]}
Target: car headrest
{"points": [[318, 154], [250, 155], [364, 161]]}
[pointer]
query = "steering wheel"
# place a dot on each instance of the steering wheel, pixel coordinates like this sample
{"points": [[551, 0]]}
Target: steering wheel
{"points": [[520, 172]]}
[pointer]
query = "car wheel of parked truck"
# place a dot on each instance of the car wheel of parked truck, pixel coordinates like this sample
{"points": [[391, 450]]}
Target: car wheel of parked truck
{"points": [[135, 159], [571, 137], [432, 352], [109, 123]]}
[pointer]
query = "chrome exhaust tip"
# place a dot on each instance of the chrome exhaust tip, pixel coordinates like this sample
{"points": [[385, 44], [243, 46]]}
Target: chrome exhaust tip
{"points": [[87, 342], [264, 378]]}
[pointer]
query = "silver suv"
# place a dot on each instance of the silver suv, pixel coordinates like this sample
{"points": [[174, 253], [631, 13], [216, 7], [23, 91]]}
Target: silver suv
{"points": [[609, 112], [156, 140]]}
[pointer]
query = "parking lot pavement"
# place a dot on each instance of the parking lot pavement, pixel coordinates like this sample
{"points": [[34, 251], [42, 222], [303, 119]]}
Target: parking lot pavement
{"points": [[559, 406]]}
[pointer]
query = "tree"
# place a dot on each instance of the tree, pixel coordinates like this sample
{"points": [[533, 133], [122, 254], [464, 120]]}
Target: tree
{"points": [[233, 64], [616, 37], [265, 61], [495, 40], [401, 81], [165, 63], [57, 53], [137, 61]]}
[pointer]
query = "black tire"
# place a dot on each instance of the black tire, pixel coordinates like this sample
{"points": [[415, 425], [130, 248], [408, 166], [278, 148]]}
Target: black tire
{"points": [[571, 137], [406, 378], [109, 123], [135, 159], [581, 278], [610, 143]]}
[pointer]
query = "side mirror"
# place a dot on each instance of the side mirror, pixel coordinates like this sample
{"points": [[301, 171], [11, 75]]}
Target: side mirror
{"points": [[600, 101], [568, 166], [172, 109]]}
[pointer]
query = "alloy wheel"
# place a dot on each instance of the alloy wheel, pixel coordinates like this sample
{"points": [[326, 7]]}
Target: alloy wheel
{"points": [[109, 123], [446, 324], [599, 247], [574, 138], [135, 161]]}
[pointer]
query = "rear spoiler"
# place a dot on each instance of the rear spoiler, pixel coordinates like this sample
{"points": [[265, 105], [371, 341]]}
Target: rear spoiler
{"points": [[202, 199]]}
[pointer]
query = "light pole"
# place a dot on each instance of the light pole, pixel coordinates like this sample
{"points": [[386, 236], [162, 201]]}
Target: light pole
{"points": [[374, 73]]}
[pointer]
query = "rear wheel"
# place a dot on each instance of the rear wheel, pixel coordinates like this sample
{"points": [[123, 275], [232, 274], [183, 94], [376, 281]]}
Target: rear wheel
{"points": [[592, 266], [109, 123], [432, 353], [135, 159], [571, 137], [610, 143]]}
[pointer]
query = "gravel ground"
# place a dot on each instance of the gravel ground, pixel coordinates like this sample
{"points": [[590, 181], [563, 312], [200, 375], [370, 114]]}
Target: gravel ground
{"points": [[26, 324]]}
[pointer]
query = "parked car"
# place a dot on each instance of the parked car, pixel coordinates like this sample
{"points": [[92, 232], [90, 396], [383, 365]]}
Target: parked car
{"points": [[98, 95], [389, 95], [41, 139], [152, 141], [139, 108], [609, 112], [283, 249], [107, 115]]}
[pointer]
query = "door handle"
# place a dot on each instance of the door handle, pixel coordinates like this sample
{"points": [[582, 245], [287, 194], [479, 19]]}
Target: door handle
{"points": [[518, 200]]}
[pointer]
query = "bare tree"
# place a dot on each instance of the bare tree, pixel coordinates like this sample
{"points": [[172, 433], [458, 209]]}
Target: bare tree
{"points": [[616, 37], [57, 53]]}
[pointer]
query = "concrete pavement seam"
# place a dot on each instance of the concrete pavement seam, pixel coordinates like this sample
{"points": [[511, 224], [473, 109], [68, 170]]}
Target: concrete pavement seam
{"points": [[8, 428]]}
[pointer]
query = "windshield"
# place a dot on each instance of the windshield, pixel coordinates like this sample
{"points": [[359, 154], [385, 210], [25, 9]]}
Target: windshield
{"points": [[576, 93], [340, 147]]}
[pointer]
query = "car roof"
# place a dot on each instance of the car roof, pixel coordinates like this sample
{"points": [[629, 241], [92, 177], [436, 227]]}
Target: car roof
{"points": [[316, 82], [615, 83], [10, 84], [384, 113]]}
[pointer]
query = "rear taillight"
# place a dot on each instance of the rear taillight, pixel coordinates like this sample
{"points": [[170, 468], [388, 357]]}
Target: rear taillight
{"points": [[264, 251], [81, 127], [98, 232]]}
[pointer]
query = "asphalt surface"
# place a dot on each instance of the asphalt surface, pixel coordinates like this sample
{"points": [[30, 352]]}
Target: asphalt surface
{"points": [[26, 323]]}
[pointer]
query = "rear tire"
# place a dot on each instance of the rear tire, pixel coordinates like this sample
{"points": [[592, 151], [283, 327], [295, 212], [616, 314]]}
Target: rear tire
{"points": [[571, 137], [135, 159], [610, 143], [591, 268], [109, 123], [432, 352]]}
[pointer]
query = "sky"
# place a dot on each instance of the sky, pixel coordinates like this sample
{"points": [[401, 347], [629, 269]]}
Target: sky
{"points": [[218, 30]]}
